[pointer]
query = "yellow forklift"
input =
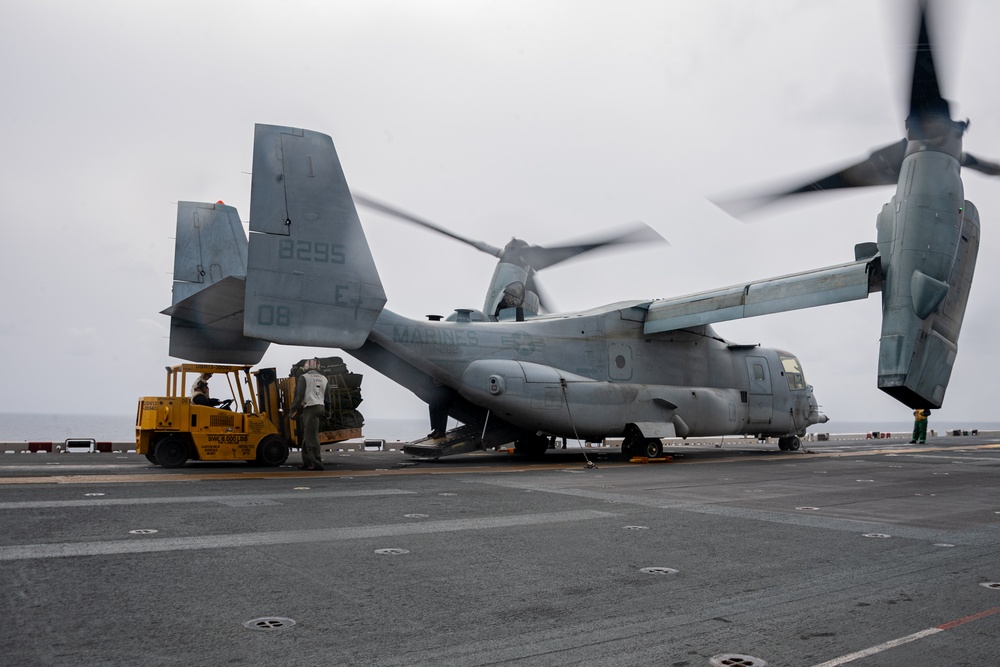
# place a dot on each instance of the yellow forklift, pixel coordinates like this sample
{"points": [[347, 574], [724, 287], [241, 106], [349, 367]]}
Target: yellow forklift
{"points": [[247, 425]]}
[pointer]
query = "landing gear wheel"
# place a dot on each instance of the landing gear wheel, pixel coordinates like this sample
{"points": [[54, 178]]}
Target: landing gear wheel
{"points": [[533, 446], [789, 444], [652, 448], [171, 452], [272, 451]]}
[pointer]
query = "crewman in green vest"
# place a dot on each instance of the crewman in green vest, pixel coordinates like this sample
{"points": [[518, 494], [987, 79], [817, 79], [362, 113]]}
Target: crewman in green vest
{"points": [[920, 416]]}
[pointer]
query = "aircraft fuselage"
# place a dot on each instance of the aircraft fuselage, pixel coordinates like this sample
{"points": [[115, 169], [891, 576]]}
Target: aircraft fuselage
{"points": [[591, 374]]}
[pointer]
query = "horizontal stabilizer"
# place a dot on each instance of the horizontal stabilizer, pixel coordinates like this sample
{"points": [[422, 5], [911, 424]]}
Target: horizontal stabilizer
{"points": [[208, 326], [820, 287], [311, 279]]}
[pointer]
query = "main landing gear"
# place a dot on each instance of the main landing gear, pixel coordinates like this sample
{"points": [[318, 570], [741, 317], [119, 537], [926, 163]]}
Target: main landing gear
{"points": [[635, 444], [789, 443], [534, 446]]}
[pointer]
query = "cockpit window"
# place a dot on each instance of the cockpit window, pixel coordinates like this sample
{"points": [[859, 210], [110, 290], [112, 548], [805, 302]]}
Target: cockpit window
{"points": [[793, 372]]}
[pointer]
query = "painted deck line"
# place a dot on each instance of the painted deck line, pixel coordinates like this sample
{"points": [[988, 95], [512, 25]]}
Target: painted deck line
{"points": [[873, 650], [141, 544], [129, 502], [471, 467]]}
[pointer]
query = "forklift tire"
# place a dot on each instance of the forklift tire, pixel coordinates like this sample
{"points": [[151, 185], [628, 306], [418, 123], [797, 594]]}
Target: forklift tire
{"points": [[272, 451], [151, 458], [171, 452]]}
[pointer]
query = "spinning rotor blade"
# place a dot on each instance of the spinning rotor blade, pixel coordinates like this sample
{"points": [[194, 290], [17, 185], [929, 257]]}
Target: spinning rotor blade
{"points": [[544, 302], [983, 166], [403, 215], [880, 168], [519, 252], [928, 120], [925, 93], [538, 257], [528, 257]]}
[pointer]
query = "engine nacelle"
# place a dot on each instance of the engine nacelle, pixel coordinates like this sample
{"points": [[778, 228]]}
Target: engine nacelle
{"points": [[929, 243]]}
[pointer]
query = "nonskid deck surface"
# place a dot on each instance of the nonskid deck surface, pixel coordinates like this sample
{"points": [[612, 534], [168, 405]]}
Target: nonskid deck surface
{"points": [[882, 551]]}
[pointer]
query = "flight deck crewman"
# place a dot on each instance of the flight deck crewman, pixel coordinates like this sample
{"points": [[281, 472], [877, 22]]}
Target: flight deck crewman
{"points": [[308, 407], [920, 425]]}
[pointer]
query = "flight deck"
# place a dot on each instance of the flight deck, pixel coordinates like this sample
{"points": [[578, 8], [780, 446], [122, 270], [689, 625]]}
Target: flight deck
{"points": [[861, 552]]}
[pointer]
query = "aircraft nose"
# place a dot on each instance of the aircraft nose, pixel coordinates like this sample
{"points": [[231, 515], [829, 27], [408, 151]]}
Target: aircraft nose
{"points": [[816, 417]]}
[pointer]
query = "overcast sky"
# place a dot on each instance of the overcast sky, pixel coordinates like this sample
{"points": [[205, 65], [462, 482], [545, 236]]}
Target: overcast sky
{"points": [[548, 121]]}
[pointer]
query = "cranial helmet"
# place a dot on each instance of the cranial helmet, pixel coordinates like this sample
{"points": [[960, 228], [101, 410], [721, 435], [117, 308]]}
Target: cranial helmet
{"points": [[310, 365]]}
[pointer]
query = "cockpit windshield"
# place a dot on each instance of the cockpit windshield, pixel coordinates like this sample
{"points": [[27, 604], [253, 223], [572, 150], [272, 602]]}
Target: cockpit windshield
{"points": [[793, 372]]}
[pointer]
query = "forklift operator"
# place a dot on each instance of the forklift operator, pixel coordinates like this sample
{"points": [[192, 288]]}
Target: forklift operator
{"points": [[199, 396]]}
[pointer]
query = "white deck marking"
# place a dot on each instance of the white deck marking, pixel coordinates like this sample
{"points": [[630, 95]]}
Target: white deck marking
{"points": [[153, 545], [101, 502], [850, 657]]}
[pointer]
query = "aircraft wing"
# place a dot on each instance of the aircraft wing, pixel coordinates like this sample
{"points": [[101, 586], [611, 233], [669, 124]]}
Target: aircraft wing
{"points": [[819, 287]]}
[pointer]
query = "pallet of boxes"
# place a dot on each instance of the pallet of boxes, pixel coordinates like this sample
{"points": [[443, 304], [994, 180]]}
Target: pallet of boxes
{"points": [[342, 420]]}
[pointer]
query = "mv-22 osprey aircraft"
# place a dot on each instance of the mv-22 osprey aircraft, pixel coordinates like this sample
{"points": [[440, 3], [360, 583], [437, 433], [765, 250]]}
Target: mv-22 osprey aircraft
{"points": [[639, 370]]}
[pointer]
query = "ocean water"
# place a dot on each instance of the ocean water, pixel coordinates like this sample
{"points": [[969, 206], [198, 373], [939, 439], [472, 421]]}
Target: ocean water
{"points": [[22, 427]]}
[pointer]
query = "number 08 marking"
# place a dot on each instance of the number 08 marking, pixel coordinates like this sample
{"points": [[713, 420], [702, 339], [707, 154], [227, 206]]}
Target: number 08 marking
{"points": [[269, 316]]}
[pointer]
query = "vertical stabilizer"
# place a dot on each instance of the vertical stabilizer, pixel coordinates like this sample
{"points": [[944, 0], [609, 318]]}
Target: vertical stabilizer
{"points": [[311, 279], [210, 266], [210, 245]]}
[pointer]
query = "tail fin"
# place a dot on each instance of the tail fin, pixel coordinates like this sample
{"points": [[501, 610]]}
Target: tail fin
{"points": [[311, 279], [210, 265], [210, 245]]}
